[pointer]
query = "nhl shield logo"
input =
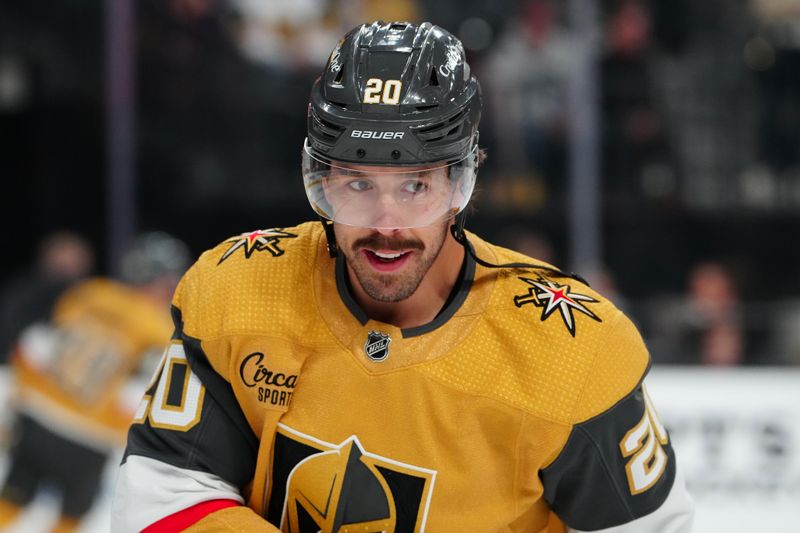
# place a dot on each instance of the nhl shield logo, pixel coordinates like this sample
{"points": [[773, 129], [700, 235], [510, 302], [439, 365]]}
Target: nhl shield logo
{"points": [[377, 346]]}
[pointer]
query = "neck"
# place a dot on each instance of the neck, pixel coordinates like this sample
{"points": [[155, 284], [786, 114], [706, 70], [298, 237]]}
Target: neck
{"points": [[427, 301]]}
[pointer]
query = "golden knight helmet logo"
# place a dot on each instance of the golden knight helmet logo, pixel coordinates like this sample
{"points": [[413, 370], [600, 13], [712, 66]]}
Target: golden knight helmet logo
{"points": [[339, 491]]}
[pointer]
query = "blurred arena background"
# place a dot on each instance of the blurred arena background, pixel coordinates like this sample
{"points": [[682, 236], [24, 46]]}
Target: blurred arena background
{"points": [[651, 145]]}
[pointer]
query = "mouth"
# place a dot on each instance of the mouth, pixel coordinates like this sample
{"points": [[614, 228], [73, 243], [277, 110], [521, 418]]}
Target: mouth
{"points": [[386, 260]]}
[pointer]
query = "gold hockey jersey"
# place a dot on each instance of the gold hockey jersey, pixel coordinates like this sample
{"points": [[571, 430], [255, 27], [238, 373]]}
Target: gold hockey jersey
{"points": [[519, 407], [70, 371]]}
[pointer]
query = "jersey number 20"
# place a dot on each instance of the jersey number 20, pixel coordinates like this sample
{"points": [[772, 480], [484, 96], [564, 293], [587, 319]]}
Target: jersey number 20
{"points": [[643, 445], [177, 400]]}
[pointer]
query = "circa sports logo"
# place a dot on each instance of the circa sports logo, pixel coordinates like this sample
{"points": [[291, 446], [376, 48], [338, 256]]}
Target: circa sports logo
{"points": [[453, 54], [275, 388], [256, 241], [377, 346], [335, 63], [551, 296]]}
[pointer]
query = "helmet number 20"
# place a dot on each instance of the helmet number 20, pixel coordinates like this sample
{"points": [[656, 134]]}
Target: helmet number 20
{"points": [[379, 92]]}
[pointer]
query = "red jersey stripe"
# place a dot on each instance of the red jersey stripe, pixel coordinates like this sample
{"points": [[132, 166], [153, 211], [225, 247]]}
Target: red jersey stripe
{"points": [[185, 518]]}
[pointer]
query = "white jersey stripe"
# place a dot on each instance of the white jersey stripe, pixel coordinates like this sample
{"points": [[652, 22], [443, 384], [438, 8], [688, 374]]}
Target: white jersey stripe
{"points": [[148, 490]]}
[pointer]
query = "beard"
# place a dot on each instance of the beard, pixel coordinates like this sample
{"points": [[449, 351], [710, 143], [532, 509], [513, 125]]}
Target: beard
{"points": [[395, 286]]}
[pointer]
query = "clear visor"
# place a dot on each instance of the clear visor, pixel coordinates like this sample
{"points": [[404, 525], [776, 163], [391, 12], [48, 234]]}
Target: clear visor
{"points": [[388, 197]]}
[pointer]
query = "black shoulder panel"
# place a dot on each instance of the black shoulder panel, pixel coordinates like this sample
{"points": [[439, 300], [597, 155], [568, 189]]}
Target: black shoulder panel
{"points": [[615, 467], [221, 443]]}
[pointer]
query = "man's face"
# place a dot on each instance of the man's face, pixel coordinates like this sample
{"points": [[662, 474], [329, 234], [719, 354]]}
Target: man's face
{"points": [[390, 264]]}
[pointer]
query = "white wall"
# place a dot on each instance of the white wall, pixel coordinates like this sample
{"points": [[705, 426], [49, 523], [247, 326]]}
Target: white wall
{"points": [[737, 436]]}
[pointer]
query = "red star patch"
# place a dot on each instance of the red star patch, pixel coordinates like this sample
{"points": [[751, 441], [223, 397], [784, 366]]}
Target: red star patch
{"points": [[551, 296], [256, 241]]}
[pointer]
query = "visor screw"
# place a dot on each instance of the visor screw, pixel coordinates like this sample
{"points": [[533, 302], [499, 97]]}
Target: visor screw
{"points": [[361, 153], [395, 154]]}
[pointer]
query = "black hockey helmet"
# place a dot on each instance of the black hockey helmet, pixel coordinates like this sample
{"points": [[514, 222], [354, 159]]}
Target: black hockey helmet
{"points": [[396, 101]]}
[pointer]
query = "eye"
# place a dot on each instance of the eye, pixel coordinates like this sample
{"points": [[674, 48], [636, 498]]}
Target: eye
{"points": [[359, 185], [414, 187]]}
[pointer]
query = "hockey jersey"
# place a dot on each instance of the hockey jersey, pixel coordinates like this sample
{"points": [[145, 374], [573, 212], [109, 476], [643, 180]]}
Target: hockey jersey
{"points": [[520, 407], [72, 369]]}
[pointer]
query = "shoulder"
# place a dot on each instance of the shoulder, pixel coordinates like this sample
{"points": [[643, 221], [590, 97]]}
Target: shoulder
{"points": [[246, 279], [579, 352]]}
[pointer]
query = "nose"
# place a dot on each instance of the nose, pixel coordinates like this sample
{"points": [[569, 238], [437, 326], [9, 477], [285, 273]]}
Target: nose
{"points": [[387, 215], [388, 232]]}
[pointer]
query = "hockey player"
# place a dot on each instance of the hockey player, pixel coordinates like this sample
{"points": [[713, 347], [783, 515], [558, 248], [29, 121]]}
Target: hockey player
{"points": [[71, 373], [386, 370]]}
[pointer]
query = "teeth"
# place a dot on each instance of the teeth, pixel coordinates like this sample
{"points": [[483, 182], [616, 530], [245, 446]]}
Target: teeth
{"points": [[387, 256]]}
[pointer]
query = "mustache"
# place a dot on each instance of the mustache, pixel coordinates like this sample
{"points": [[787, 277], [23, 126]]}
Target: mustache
{"points": [[383, 242]]}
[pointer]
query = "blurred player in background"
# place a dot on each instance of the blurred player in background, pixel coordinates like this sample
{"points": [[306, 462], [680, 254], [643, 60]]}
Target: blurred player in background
{"points": [[71, 371], [384, 370], [63, 257]]}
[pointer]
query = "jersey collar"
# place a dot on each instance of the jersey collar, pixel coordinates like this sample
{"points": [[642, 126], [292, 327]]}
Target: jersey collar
{"points": [[351, 327]]}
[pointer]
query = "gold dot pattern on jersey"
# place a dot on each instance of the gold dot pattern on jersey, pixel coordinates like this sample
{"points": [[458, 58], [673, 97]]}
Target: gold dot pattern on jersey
{"points": [[260, 294]]}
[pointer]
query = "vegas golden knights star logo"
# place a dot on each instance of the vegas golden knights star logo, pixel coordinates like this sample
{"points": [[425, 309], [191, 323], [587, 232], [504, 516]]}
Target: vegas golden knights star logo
{"points": [[257, 241], [377, 345], [551, 296], [338, 488]]}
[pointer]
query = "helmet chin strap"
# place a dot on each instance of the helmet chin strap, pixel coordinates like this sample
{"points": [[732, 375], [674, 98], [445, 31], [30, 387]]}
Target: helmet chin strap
{"points": [[333, 248], [457, 231]]}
